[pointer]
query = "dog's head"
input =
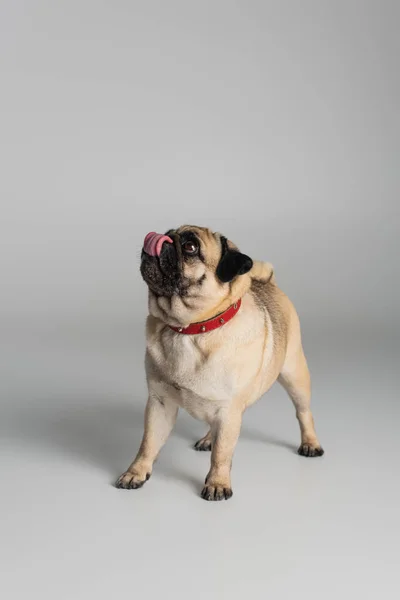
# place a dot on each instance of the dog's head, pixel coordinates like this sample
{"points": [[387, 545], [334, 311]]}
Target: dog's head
{"points": [[192, 263]]}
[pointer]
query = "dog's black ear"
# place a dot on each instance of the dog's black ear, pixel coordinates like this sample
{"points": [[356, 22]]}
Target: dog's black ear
{"points": [[232, 263]]}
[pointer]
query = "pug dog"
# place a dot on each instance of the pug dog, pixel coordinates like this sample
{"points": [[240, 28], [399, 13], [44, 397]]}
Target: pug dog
{"points": [[219, 333]]}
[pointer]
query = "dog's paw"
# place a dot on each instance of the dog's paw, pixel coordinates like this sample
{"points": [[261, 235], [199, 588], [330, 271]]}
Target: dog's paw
{"points": [[309, 450], [203, 445], [216, 492], [131, 481]]}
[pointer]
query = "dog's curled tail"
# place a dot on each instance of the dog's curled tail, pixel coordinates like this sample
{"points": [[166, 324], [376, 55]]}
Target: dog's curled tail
{"points": [[263, 272]]}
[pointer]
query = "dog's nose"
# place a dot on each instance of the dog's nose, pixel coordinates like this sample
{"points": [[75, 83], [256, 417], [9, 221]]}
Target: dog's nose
{"points": [[153, 242]]}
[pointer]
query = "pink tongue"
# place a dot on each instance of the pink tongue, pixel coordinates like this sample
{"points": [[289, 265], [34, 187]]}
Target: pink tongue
{"points": [[153, 243]]}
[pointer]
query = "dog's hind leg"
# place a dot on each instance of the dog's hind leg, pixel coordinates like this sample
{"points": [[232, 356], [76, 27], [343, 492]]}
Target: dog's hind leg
{"points": [[204, 444], [295, 378]]}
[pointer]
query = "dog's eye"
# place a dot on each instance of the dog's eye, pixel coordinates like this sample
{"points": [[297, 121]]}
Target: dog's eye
{"points": [[190, 248]]}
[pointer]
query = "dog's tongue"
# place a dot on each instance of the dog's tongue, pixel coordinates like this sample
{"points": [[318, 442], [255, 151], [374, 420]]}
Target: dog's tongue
{"points": [[153, 243]]}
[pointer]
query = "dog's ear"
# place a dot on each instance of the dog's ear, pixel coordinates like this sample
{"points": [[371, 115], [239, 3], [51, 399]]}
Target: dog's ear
{"points": [[232, 263]]}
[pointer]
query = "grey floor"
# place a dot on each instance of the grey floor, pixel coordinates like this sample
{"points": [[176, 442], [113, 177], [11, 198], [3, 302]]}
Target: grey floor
{"points": [[295, 527]]}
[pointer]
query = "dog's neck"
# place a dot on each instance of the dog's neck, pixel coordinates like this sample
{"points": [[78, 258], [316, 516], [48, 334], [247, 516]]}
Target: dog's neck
{"points": [[181, 311]]}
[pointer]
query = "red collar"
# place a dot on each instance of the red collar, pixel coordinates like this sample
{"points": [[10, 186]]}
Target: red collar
{"points": [[210, 324]]}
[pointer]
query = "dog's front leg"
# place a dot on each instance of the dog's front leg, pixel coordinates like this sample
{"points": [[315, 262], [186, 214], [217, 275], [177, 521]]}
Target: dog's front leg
{"points": [[225, 431], [160, 418]]}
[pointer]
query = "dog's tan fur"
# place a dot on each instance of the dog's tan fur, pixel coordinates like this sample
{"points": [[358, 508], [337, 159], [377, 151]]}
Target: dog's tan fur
{"points": [[216, 376]]}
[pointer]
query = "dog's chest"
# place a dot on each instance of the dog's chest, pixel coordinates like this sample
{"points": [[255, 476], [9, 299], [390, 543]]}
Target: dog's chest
{"points": [[198, 378], [207, 372]]}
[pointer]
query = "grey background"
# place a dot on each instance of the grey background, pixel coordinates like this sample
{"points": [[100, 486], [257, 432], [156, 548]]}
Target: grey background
{"points": [[276, 123]]}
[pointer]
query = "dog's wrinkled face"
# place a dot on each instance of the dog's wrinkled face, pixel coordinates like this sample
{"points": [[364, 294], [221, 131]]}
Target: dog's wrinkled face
{"points": [[190, 262]]}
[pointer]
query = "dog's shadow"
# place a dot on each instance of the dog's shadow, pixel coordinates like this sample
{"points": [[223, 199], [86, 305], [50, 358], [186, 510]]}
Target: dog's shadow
{"points": [[103, 434]]}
